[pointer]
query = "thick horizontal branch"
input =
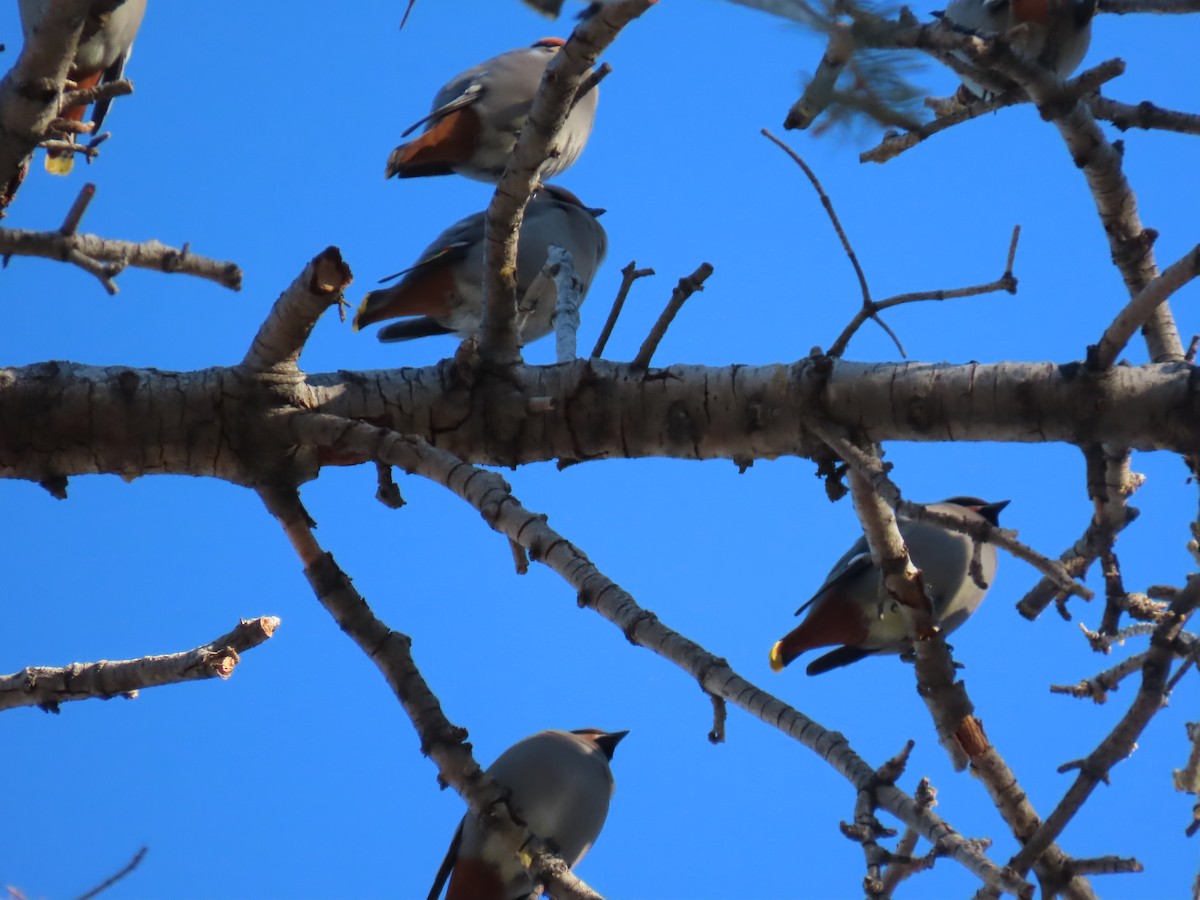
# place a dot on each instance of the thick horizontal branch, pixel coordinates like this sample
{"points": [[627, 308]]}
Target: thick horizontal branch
{"points": [[47, 687], [117, 255], [60, 419]]}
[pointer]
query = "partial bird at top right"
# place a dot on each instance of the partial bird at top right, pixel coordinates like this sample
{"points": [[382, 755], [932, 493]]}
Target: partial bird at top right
{"points": [[1056, 33]]}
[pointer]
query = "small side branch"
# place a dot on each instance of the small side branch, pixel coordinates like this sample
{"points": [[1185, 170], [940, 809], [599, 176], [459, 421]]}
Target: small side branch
{"points": [[629, 275], [47, 688], [686, 287], [1104, 354], [113, 879], [277, 346], [1123, 738], [1110, 484], [390, 651], [952, 113], [105, 258]]}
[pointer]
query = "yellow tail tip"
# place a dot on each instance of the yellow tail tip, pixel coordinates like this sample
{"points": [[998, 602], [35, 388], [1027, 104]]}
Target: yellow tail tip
{"points": [[776, 658], [60, 165]]}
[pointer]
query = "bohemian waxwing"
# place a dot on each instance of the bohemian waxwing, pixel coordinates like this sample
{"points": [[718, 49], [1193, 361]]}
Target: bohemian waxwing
{"points": [[477, 116], [445, 286], [853, 609], [103, 50], [1057, 32], [559, 785]]}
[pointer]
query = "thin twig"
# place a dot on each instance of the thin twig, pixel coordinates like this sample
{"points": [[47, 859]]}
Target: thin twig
{"points": [[109, 882], [686, 287], [629, 275]]}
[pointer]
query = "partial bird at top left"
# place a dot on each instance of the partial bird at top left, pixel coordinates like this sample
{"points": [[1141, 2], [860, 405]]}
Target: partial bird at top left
{"points": [[103, 50]]}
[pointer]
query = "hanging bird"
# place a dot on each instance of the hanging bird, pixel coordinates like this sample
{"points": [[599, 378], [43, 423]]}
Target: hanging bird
{"points": [[445, 286], [852, 607], [560, 785], [477, 116], [1057, 32], [100, 57]]}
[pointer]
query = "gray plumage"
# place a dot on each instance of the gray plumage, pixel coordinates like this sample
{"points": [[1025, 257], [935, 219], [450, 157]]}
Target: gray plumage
{"points": [[444, 289], [560, 785], [852, 607], [478, 115], [1056, 33]]}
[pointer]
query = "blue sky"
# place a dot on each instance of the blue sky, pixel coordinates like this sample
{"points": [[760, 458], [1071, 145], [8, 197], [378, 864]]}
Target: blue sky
{"points": [[261, 138]]}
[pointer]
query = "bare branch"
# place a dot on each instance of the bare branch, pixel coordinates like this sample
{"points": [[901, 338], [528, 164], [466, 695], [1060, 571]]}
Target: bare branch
{"points": [[629, 275], [1097, 687], [564, 75], [47, 687], [277, 346], [1110, 482], [109, 882], [686, 287], [106, 258], [1141, 307], [954, 113], [390, 651], [488, 493], [1121, 740]]}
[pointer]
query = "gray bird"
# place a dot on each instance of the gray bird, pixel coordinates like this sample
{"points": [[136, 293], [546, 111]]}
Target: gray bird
{"points": [[477, 116], [103, 50], [1057, 32], [444, 288], [852, 607], [560, 786]]}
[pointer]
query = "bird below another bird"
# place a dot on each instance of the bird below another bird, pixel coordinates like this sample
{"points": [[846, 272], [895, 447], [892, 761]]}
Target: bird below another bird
{"points": [[560, 785]]}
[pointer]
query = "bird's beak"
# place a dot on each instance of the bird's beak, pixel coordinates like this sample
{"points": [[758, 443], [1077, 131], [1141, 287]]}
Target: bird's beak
{"points": [[991, 511], [608, 741], [596, 211]]}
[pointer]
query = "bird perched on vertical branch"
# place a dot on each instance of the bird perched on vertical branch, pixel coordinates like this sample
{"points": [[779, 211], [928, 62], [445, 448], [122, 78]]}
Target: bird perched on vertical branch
{"points": [[852, 607], [560, 785], [1056, 33], [100, 58], [444, 288], [477, 116]]}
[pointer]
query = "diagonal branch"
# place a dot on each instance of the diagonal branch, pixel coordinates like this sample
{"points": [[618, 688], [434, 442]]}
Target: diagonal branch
{"points": [[563, 77], [953, 713], [441, 741], [1138, 310], [489, 494], [1121, 741], [47, 687]]}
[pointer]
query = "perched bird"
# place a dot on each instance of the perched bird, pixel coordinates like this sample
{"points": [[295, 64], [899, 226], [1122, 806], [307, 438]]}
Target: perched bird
{"points": [[100, 57], [445, 286], [1057, 32], [560, 785], [477, 116], [853, 609]]}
